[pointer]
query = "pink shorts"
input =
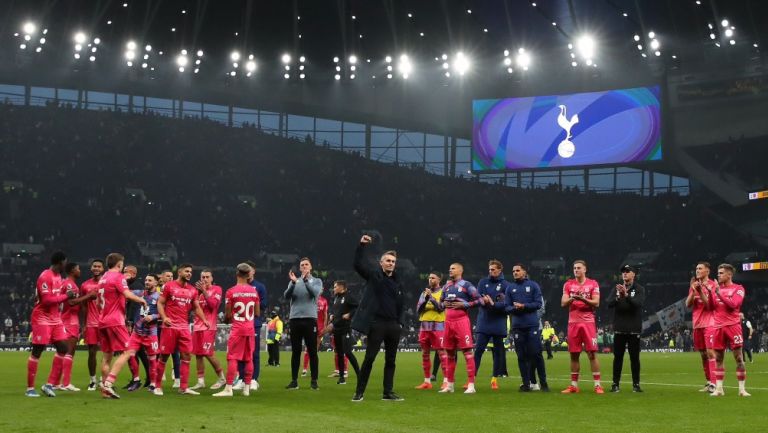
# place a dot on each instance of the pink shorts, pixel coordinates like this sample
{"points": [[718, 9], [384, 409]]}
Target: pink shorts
{"points": [[458, 334], [431, 339], [702, 338], [148, 342], [240, 347], [48, 334], [582, 333], [91, 335], [113, 339], [202, 342], [73, 331], [727, 336], [173, 338]]}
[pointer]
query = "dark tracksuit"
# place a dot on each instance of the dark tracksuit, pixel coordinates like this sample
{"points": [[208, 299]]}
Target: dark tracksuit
{"points": [[627, 325], [343, 303], [492, 323], [525, 325], [380, 316]]}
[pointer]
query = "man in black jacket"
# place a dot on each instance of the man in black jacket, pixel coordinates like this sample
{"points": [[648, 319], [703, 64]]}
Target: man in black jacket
{"points": [[380, 316], [627, 303], [342, 310]]}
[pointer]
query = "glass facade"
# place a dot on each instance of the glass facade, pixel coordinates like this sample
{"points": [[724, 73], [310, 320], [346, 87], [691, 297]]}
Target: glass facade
{"points": [[437, 154]]}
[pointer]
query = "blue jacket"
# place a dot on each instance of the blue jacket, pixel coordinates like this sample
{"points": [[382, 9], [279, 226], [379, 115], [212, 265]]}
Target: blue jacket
{"points": [[492, 319], [261, 289], [528, 293]]}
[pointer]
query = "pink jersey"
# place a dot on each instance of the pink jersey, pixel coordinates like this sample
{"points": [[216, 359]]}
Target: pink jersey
{"points": [[727, 306], [111, 299], [244, 299], [702, 313], [580, 311], [322, 311], [70, 314], [210, 307], [48, 298], [93, 311], [178, 303]]}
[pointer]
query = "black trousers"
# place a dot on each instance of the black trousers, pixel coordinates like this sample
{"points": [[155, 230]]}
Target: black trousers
{"points": [[548, 346], [622, 342], [389, 334], [273, 349], [343, 347], [304, 329]]}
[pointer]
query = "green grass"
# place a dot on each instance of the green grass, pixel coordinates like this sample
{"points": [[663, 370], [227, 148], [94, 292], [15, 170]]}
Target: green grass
{"points": [[671, 402]]}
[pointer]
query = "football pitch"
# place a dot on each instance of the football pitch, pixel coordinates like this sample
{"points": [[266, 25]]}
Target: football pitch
{"points": [[671, 401]]}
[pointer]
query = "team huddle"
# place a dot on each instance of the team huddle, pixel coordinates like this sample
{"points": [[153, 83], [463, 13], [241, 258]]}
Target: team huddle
{"points": [[160, 327]]}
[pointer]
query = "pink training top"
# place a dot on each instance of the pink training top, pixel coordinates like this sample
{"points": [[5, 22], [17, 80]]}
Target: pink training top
{"points": [[112, 285], [702, 313], [580, 311], [49, 295], [70, 314], [178, 303], [727, 306], [210, 308], [93, 311], [243, 298]]}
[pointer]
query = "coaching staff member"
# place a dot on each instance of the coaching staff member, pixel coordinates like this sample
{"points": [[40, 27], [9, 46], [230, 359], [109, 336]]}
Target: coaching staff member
{"points": [[627, 303], [380, 315]]}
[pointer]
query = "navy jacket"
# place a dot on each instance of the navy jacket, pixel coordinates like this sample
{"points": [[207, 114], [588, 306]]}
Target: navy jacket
{"points": [[525, 292], [261, 289], [492, 319]]}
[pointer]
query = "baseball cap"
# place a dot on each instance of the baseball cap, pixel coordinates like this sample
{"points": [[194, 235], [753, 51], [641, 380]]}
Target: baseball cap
{"points": [[628, 268]]}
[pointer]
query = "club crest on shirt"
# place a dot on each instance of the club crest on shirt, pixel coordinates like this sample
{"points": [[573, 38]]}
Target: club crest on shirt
{"points": [[527, 289], [498, 287]]}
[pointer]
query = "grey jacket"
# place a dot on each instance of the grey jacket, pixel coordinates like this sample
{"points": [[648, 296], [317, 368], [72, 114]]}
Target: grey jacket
{"points": [[303, 297]]}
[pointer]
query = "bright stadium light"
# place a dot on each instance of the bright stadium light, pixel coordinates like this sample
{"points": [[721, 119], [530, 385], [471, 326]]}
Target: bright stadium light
{"points": [[182, 60], [405, 67], [352, 59], [461, 63], [29, 27], [131, 45], [250, 66], [80, 38], [523, 59], [235, 56], [286, 58], [586, 46], [130, 55]]}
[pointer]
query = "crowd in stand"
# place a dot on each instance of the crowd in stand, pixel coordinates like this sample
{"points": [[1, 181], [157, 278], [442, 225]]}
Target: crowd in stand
{"points": [[92, 182]]}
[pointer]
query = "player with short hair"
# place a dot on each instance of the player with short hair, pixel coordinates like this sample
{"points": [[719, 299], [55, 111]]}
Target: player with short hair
{"points": [[492, 318], [47, 327], [204, 338], [92, 313], [582, 297], [459, 295], [113, 335], [144, 336], [725, 303], [70, 316], [703, 319], [178, 299], [432, 328], [241, 306], [166, 276]]}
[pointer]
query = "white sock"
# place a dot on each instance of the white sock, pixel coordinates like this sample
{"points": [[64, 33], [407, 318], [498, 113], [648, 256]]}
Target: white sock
{"points": [[719, 384], [742, 384], [137, 379], [574, 383], [426, 380], [597, 383], [228, 388], [246, 388], [93, 379]]}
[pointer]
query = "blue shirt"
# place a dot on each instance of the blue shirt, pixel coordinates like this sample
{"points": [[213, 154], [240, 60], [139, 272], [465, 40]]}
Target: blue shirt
{"points": [[492, 319], [528, 293], [261, 289]]}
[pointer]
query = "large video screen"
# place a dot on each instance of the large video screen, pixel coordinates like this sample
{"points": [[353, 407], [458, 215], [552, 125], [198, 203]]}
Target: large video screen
{"points": [[597, 128]]}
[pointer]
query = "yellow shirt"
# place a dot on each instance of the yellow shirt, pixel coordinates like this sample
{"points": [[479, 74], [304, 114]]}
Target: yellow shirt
{"points": [[430, 313], [546, 333]]}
